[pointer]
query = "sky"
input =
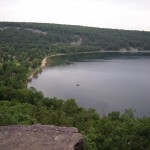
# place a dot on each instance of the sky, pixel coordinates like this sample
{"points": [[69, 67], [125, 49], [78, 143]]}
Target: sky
{"points": [[116, 14]]}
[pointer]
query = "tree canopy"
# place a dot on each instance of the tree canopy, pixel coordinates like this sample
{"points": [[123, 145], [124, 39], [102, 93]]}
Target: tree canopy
{"points": [[24, 45]]}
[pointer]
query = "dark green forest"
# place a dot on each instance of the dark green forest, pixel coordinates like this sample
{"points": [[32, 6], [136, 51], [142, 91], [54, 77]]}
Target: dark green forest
{"points": [[22, 48]]}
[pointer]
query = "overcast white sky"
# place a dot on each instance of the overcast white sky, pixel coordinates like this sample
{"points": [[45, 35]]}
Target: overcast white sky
{"points": [[120, 14]]}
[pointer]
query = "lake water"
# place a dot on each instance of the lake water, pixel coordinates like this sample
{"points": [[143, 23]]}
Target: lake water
{"points": [[106, 82]]}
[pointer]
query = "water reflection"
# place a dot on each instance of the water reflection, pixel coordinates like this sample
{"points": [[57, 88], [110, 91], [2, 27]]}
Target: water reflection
{"points": [[106, 82]]}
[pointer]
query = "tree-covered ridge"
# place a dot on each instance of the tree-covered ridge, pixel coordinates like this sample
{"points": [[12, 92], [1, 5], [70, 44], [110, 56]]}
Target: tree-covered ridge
{"points": [[24, 45], [59, 37]]}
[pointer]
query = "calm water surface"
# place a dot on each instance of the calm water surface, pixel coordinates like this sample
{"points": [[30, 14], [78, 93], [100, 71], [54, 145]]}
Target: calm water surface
{"points": [[105, 83]]}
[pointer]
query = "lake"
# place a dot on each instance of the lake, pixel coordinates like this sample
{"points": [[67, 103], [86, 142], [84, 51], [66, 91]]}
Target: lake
{"points": [[106, 82]]}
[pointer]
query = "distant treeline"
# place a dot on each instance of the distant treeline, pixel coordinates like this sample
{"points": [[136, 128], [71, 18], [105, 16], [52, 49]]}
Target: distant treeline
{"points": [[67, 38]]}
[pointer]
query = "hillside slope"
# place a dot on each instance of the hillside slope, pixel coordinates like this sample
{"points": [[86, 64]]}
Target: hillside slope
{"points": [[64, 38]]}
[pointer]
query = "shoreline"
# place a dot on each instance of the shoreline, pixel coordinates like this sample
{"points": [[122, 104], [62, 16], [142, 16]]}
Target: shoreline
{"points": [[102, 51], [44, 61], [43, 64]]}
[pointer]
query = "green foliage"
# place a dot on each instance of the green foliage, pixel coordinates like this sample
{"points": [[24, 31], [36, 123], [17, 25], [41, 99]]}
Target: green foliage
{"points": [[70, 107], [24, 45], [115, 131], [53, 38], [16, 113]]}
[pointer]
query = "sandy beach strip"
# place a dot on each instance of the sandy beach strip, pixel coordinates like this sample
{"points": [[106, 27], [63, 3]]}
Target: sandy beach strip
{"points": [[44, 61], [43, 64]]}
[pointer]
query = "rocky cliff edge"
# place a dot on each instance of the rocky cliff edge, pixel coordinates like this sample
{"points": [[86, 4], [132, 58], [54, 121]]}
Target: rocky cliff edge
{"points": [[40, 137]]}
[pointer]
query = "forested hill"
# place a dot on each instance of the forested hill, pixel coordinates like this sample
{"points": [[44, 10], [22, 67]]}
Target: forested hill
{"points": [[68, 38]]}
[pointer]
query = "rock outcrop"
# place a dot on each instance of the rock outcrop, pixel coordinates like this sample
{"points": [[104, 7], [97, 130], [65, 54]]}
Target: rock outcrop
{"points": [[36, 31], [40, 137], [77, 40]]}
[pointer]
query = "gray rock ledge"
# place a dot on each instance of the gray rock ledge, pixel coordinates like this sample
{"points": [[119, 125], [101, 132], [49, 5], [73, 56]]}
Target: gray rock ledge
{"points": [[40, 137]]}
